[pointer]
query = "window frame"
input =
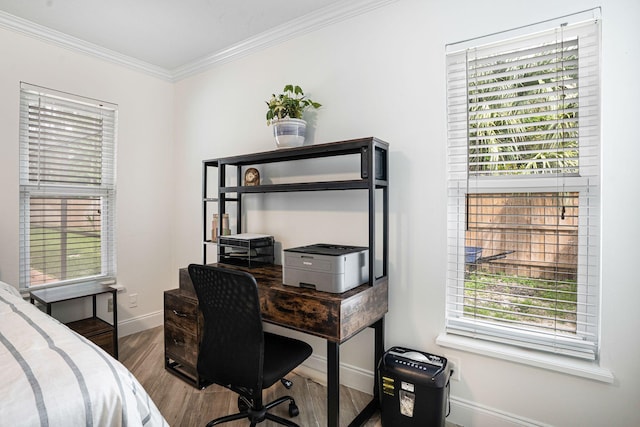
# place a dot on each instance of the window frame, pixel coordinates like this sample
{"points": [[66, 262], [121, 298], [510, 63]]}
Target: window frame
{"points": [[461, 182], [95, 182]]}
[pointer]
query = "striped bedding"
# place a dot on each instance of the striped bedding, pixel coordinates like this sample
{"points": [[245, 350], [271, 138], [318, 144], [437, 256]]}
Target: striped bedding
{"points": [[51, 376]]}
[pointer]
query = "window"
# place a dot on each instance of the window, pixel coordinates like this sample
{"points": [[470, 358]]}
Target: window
{"points": [[524, 187], [67, 188]]}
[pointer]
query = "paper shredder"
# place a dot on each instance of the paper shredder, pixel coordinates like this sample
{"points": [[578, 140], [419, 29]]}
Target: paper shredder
{"points": [[413, 387]]}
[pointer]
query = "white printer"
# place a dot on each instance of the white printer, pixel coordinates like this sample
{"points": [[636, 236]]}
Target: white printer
{"points": [[326, 267]]}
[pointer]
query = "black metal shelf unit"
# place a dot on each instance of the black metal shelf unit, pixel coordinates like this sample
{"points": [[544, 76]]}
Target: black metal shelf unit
{"points": [[374, 171]]}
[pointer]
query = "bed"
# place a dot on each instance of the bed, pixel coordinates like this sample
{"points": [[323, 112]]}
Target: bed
{"points": [[52, 376]]}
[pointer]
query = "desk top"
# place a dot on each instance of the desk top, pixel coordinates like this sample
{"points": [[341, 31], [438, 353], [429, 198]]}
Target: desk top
{"points": [[69, 292], [335, 317]]}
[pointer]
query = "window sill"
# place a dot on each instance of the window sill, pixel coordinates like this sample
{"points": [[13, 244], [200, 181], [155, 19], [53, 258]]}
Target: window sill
{"points": [[565, 365]]}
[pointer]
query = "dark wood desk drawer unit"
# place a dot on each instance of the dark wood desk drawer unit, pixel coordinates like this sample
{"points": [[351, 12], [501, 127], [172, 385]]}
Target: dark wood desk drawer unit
{"points": [[182, 333]]}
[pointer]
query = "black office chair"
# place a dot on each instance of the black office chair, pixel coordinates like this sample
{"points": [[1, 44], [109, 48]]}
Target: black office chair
{"points": [[235, 352]]}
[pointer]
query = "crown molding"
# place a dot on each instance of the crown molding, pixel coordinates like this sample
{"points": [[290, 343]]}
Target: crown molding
{"points": [[339, 11], [329, 15], [58, 38]]}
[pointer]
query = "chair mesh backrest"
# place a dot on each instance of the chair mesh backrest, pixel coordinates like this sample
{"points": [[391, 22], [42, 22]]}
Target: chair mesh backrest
{"points": [[232, 346]]}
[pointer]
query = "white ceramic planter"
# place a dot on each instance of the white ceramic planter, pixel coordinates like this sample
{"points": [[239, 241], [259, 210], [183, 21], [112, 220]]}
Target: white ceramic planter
{"points": [[289, 132]]}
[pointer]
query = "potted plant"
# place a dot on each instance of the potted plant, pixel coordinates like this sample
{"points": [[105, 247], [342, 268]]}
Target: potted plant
{"points": [[285, 116]]}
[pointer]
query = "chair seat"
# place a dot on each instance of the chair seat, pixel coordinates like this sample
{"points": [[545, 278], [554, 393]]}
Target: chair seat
{"points": [[280, 355]]}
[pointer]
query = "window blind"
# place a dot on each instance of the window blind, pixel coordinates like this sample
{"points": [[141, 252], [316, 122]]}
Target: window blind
{"points": [[67, 188], [523, 110], [523, 187]]}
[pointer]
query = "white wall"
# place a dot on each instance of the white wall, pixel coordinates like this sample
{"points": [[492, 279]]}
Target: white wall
{"points": [[383, 74], [144, 165]]}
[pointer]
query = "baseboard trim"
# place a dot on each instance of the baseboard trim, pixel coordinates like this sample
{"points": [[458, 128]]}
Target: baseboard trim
{"points": [[315, 368], [140, 323], [465, 412]]}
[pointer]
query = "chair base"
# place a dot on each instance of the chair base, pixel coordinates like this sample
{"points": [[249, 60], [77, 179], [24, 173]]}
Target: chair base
{"points": [[258, 415]]}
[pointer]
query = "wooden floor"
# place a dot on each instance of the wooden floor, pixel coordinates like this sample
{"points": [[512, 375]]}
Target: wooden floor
{"points": [[183, 405]]}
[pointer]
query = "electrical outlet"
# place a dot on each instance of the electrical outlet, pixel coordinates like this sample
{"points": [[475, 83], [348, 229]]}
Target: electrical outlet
{"points": [[133, 300], [110, 305], [454, 365]]}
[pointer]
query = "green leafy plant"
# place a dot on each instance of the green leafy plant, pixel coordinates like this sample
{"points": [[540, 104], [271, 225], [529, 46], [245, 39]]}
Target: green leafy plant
{"points": [[290, 103]]}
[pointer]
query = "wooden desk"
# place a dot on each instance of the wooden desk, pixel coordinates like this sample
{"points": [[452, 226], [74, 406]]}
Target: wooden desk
{"points": [[95, 329], [334, 317]]}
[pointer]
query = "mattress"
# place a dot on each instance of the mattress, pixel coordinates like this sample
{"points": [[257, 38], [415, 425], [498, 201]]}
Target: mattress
{"points": [[52, 376]]}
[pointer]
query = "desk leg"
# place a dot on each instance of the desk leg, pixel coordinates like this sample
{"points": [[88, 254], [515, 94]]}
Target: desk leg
{"points": [[333, 384], [374, 404], [333, 380], [115, 323], [379, 352]]}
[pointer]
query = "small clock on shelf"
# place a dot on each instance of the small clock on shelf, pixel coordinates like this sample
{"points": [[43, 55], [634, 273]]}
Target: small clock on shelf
{"points": [[251, 177]]}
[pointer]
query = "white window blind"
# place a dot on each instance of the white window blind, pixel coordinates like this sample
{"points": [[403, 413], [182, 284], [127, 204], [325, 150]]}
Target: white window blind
{"points": [[67, 188], [524, 187]]}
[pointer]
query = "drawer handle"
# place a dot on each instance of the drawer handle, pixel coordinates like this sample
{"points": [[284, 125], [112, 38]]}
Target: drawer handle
{"points": [[178, 343], [179, 314]]}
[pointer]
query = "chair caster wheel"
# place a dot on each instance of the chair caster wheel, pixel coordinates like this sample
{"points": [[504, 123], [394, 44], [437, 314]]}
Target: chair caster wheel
{"points": [[286, 383], [293, 410]]}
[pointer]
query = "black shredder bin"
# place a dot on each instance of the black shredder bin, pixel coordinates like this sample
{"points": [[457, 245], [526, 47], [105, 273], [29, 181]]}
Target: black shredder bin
{"points": [[413, 388]]}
